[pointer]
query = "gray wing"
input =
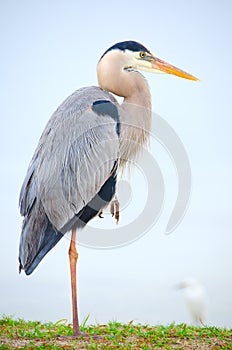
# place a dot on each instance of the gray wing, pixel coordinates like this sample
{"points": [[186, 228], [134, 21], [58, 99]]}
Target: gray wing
{"points": [[75, 156]]}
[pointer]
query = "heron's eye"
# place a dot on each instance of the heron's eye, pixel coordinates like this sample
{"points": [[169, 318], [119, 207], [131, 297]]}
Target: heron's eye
{"points": [[142, 54]]}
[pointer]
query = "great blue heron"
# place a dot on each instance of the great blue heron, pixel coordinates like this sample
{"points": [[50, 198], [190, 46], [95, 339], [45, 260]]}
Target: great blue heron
{"points": [[73, 173]]}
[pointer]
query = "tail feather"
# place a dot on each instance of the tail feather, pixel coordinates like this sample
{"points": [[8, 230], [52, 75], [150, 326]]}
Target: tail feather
{"points": [[37, 239], [51, 238]]}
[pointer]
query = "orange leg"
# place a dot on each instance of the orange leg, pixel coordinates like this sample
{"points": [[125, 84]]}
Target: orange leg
{"points": [[73, 255]]}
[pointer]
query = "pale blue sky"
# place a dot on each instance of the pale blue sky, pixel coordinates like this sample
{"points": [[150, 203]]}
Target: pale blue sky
{"points": [[51, 48]]}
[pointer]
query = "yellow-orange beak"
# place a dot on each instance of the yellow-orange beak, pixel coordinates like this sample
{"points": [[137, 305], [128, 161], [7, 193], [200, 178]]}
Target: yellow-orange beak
{"points": [[164, 67]]}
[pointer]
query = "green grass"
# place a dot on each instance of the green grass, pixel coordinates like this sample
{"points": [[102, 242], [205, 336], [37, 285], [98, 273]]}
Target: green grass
{"points": [[19, 334]]}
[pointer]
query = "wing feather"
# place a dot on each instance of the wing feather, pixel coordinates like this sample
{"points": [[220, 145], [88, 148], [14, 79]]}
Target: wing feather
{"points": [[75, 156]]}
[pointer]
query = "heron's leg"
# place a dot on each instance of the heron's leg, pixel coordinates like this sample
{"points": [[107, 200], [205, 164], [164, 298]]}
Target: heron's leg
{"points": [[114, 208], [73, 255]]}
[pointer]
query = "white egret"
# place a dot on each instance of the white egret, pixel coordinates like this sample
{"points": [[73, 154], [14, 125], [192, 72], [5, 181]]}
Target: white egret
{"points": [[196, 300]]}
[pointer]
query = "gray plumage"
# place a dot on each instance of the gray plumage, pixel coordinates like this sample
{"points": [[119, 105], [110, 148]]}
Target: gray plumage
{"points": [[74, 157], [73, 172]]}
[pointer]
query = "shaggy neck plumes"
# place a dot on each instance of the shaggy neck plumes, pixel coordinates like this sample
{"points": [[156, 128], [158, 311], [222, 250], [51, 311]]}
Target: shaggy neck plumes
{"points": [[135, 111], [135, 116]]}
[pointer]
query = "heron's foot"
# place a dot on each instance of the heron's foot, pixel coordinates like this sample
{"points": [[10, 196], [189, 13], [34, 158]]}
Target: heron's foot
{"points": [[70, 337], [101, 214], [82, 335], [114, 209]]}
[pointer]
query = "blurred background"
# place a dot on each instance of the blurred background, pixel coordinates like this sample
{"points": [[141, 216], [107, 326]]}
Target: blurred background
{"points": [[51, 48]]}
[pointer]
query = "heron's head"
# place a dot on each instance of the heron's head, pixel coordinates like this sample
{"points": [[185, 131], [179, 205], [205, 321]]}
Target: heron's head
{"points": [[130, 55]]}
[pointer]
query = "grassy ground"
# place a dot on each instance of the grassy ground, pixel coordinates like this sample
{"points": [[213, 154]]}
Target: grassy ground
{"points": [[19, 334]]}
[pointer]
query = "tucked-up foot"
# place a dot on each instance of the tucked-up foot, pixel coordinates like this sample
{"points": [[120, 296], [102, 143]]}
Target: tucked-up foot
{"points": [[114, 209], [101, 214]]}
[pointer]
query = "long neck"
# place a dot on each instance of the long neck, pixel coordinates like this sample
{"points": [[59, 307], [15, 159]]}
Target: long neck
{"points": [[135, 111], [138, 90], [135, 116]]}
